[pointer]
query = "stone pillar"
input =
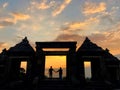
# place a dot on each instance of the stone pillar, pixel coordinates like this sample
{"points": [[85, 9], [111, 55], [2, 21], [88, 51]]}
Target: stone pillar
{"points": [[72, 64], [29, 69], [40, 63], [95, 69], [81, 70], [14, 69]]}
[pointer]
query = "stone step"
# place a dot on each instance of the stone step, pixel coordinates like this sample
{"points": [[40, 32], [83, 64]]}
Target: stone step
{"points": [[98, 86], [55, 85]]}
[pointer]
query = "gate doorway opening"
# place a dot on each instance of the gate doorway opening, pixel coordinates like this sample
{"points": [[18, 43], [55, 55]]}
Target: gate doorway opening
{"points": [[87, 66], [56, 62], [23, 66], [67, 49]]}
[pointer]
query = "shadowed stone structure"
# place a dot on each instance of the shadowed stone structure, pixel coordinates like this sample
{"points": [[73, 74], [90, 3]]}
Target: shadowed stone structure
{"points": [[104, 66], [21, 52], [40, 53]]}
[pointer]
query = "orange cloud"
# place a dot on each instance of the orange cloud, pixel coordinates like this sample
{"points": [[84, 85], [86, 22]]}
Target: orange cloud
{"points": [[83, 25], [1, 26], [92, 8], [108, 39], [3, 45], [6, 22], [71, 37], [77, 25], [43, 5], [20, 16], [59, 9], [114, 40]]}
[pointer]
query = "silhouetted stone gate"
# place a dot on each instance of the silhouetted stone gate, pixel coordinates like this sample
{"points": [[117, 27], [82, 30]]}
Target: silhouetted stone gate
{"points": [[104, 66], [15, 55], [101, 62], [96, 67], [71, 58]]}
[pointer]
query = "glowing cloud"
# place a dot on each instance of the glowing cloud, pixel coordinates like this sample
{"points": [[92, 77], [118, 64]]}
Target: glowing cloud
{"points": [[1, 26], [59, 9], [3, 45], [43, 5], [92, 8], [82, 25], [6, 22], [108, 39], [56, 6], [20, 16]]}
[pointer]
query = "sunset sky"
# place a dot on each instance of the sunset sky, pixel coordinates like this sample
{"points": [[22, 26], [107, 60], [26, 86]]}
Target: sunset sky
{"points": [[61, 20]]}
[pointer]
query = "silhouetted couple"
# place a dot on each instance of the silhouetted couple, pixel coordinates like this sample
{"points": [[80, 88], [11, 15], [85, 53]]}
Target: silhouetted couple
{"points": [[60, 71]]}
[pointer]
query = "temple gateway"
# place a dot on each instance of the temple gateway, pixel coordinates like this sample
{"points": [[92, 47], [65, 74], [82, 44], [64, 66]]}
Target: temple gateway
{"points": [[104, 66]]}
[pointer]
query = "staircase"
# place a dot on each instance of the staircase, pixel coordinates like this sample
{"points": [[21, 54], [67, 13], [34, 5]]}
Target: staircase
{"points": [[55, 84], [94, 85]]}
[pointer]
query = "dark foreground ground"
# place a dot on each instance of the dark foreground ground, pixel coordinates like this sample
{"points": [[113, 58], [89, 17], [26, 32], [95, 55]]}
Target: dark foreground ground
{"points": [[58, 85]]}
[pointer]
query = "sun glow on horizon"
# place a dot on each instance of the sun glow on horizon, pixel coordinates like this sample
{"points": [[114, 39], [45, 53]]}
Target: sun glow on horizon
{"points": [[55, 61]]}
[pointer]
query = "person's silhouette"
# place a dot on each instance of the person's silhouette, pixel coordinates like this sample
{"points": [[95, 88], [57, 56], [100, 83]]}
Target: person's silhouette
{"points": [[51, 72], [60, 72]]}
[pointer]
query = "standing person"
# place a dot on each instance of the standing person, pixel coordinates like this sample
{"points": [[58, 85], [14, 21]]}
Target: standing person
{"points": [[60, 72], [51, 71]]}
